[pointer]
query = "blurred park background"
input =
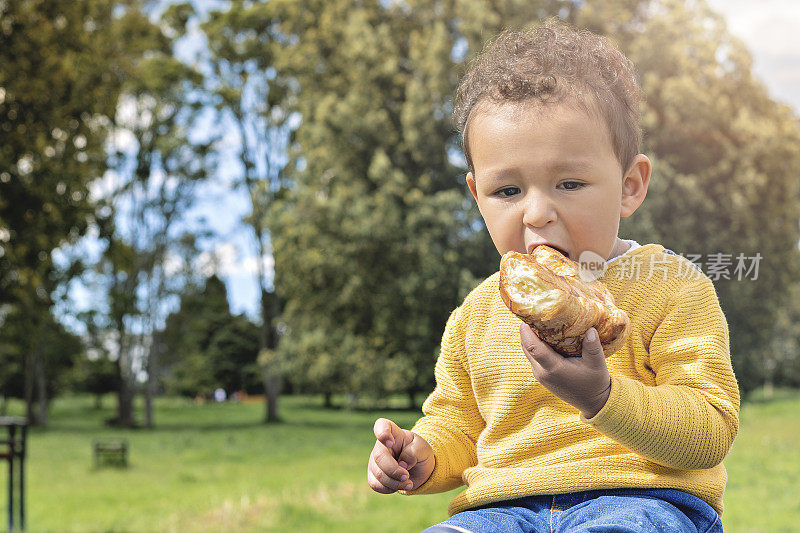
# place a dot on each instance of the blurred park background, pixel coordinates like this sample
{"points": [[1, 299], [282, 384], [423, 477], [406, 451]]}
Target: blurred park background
{"points": [[265, 202]]}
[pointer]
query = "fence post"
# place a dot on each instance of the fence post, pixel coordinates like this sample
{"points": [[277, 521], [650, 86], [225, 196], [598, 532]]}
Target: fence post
{"points": [[15, 452]]}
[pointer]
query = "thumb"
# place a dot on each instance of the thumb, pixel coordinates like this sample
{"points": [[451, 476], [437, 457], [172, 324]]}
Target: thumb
{"points": [[388, 433], [592, 349]]}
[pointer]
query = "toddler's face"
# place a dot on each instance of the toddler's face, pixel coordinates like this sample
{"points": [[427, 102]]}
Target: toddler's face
{"points": [[547, 176]]}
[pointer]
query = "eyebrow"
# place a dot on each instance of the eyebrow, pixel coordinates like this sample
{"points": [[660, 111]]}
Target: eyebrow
{"points": [[552, 167], [561, 167]]}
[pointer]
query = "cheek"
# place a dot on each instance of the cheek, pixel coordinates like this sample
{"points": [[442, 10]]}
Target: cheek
{"points": [[594, 220], [504, 225]]}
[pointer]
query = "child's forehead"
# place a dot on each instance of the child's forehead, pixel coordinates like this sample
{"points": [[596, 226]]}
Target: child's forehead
{"points": [[532, 110], [554, 139], [532, 115]]}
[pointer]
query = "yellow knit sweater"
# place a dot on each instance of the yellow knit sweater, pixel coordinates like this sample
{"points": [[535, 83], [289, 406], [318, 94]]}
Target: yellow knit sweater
{"points": [[670, 419]]}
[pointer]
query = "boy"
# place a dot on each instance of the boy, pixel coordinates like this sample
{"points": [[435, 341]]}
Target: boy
{"points": [[635, 442]]}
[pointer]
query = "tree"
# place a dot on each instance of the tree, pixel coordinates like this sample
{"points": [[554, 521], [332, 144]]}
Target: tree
{"points": [[208, 346], [59, 352], [375, 239], [249, 95], [375, 243], [188, 334], [61, 67], [232, 356], [12, 377], [782, 366], [96, 376], [726, 158], [154, 170]]}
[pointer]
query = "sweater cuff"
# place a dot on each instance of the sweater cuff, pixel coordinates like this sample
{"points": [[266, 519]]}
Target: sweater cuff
{"points": [[612, 418], [450, 455]]}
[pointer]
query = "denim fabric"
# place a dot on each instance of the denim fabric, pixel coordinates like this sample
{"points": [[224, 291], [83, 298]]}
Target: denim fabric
{"points": [[619, 510]]}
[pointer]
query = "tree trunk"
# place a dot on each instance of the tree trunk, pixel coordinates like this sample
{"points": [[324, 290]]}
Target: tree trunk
{"points": [[29, 383], [266, 340], [271, 374], [412, 403], [31, 364], [264, 331], [148, 402], [125, 392], [41, 386], [272, 385], [125, 404], [152, 381]]}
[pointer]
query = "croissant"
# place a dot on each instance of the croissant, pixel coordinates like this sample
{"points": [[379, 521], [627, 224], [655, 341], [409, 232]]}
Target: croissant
{"points": [[545, 290]]}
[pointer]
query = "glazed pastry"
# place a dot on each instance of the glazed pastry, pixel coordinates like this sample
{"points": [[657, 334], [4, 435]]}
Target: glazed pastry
{"points": [[545, 290]]}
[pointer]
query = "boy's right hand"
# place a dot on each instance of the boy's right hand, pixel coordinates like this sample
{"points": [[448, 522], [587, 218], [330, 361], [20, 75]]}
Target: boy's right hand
{"points": [[400, 460]]}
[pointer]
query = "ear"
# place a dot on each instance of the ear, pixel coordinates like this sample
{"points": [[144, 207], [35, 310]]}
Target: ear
{"points": [[471, 185], [634, 185]]}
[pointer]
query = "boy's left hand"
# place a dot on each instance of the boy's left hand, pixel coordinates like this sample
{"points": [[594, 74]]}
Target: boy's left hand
{"points": [[583, 382]]}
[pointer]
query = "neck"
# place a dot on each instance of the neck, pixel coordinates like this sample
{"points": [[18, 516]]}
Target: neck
{"points": [[620, 247]]}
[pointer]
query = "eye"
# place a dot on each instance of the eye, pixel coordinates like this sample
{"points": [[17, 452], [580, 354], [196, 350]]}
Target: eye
{"points": [[570, 185], [508, 192]]}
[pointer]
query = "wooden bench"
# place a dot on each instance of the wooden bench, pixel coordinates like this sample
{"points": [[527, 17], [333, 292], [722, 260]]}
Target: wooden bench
{"points": [[111, 452]]}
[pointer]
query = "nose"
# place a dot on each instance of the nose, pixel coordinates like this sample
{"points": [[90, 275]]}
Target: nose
{"points": [[539, 211]]}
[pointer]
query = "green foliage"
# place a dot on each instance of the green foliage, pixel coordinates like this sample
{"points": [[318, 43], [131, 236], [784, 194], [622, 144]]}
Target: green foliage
{"points": [[206, 347], [232, 356], [59, 352], [187, 335], [156, 169], [61, 69], [376, 242], [96, 376], [726, 160], [371, 242], [374, 236], [60, 74]]}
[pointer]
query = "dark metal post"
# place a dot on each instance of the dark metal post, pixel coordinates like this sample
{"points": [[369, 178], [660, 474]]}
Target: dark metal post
{"points": [[11, 430], [12, 449], [22, 479]]}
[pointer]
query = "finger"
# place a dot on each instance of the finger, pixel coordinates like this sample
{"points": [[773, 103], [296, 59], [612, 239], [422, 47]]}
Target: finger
{"points": [[387, 464], [376, 485], [538, 372], [418, 458], [530, 341], [379, 472], [539, 352], [592, 349], [408, 457], [412, 451], [388, 433]]}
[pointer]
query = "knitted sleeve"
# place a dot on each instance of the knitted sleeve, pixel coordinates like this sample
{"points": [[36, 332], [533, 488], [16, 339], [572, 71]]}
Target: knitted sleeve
{"points": [[689, 419], [451, 422]]}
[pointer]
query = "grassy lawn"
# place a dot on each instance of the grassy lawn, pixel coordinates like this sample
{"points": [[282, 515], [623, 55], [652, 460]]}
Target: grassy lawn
{"points": [[217, 468]]}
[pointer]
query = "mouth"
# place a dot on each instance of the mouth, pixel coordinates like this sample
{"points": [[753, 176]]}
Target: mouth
{"points": [[554, 247]]}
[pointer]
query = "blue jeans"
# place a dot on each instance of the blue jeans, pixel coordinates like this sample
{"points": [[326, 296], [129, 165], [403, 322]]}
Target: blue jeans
{"points": [[619, 510]]}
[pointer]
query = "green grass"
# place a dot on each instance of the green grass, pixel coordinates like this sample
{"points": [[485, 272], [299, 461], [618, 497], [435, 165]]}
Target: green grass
{"points": [[217, 468], [763, 491]]}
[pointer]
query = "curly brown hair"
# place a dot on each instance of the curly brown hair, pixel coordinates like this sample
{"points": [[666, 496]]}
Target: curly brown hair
{"points": [[553, 63]]}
